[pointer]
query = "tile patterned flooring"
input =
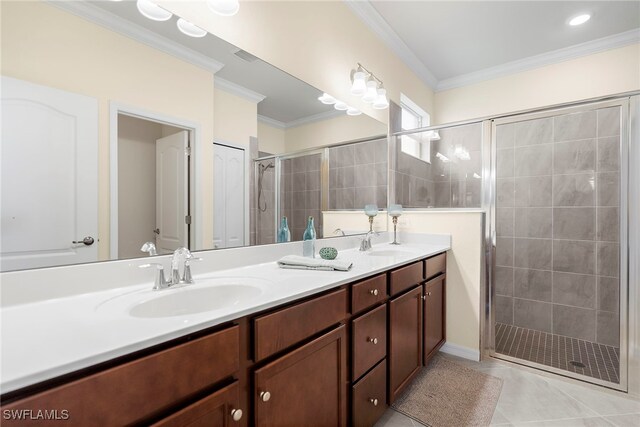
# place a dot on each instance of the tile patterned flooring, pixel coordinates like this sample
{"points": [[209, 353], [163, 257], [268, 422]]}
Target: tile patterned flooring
{"points": [[600, 361], [535, 399]]}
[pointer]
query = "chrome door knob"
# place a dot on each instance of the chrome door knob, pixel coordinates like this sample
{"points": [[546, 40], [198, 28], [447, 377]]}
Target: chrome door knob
{"points": [[374, 401], [265, 396], [87, 241], [236, 414], [373, 292], [373, 340]]}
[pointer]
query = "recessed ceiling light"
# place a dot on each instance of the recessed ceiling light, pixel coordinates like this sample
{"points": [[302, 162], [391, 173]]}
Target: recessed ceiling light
{"points": [[190, 29], [579, 20], [152, 11]]}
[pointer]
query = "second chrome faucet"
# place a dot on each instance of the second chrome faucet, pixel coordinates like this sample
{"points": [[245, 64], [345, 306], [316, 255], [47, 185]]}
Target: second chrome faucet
{"points": [[180, 270]]}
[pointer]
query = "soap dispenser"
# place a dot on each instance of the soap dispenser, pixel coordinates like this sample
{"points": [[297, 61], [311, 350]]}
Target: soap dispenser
{"points": [[284, 235], [309, 240]]}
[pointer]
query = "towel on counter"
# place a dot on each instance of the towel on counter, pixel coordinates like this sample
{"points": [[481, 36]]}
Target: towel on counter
{"points": [[304, 263]]}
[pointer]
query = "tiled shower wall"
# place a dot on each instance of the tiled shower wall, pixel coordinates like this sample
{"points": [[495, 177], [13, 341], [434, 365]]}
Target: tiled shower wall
{"points": [[452, 181], [557, 223], [358, 175], [300, 193]]}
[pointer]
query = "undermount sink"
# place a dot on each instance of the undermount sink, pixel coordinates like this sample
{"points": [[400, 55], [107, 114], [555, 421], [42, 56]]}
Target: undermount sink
{"points": [[388, 252], [194, 299]]}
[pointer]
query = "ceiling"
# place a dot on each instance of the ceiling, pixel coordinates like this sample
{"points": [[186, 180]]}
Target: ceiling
{"points": [[455, 38], [287, 99]]}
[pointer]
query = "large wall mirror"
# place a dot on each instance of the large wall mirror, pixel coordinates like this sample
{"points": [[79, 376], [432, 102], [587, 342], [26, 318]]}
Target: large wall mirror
{"points": [[119, 130]]}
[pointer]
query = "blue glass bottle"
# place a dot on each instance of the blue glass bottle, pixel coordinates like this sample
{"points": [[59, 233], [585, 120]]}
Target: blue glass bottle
{"points": [[309, 240], [284, 235]]}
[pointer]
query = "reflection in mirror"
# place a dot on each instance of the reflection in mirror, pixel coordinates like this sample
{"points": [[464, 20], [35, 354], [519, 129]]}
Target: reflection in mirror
{"points": [[119, 130]]}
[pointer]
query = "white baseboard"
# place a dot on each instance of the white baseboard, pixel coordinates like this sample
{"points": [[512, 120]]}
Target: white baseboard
{"points": [[460, 351]]}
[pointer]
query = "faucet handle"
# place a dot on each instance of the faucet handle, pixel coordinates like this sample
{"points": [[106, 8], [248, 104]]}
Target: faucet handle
{"points": [[186, 277], [160, 281]]}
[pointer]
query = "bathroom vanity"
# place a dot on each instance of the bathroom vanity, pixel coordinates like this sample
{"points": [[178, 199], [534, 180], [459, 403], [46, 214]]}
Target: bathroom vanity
{"points": [[334, 357]]}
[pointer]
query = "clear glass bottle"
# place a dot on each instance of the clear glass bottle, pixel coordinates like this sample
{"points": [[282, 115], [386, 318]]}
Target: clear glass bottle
{"points": [[309, 240], [284, 235]]}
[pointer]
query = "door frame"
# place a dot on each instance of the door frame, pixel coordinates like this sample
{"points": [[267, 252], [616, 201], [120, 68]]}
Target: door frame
{"points": [[247, 188], [195, 207], [489, 205]]}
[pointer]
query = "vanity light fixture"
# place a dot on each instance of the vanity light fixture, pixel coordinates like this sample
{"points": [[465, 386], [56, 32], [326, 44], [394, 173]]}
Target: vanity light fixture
{"points": [[364, 83], [224, 7], [351, 111], [190, 29], [381, 101], [579, 20], [372, 92], [152, 11], [359, 85], [339, 105], [327, 99]]}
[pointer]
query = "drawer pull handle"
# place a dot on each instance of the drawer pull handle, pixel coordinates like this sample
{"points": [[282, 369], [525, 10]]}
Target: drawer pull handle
{"points": [[372, 340], [374, 401], [236, 414], [265, 396], [374, 292]]}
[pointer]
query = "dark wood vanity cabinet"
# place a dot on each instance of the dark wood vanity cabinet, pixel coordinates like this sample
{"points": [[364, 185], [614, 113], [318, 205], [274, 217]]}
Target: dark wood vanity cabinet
{"points": [[306, 387], [434, 316]]}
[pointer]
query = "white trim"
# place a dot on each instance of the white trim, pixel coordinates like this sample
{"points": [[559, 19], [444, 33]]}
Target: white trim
{"points": [[236, 89], [316, 118], [548, 58], [195, 130], [138, 33], [460, 351], [272, 122], [370, 16]]}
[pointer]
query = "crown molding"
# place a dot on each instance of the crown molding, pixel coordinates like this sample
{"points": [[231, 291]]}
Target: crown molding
{"points": [[236, 89], [138, 33], [272, 122], [583, 49], [370, 16]]}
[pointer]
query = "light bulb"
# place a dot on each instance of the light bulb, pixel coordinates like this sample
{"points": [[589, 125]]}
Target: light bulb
{"points": [[339, 105], [372, 93], [351, 111], [152, 11], [190, 29], [224, 7], [359, 86], [381, 101], [327, 99]]}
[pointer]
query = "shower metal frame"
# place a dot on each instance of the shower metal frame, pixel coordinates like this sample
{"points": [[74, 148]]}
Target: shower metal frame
{"points": [[489, 206]]}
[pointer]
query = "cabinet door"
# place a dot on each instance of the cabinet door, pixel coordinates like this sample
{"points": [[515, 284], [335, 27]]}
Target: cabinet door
{"points": [[219, 409], [434, 313], [405, 340], [307, 387]]}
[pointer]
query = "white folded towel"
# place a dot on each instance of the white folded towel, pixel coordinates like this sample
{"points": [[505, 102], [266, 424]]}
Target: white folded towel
{"points": [[304, 263]]}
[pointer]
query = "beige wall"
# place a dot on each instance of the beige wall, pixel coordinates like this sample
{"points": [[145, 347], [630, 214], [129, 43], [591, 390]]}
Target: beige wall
{"points": [[270, 139], [44, 45], [235, 119], [605, 73], [318, 42]]}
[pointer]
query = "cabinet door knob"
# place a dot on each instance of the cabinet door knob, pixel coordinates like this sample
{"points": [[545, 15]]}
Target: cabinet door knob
{"points": [[373, 292], [428, 294], [424, 297], [374, 401], [236, 414], [372, 340], [265, 396]]}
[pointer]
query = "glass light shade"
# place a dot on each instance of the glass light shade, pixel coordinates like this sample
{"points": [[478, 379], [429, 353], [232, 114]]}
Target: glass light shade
{"points": [[579, 20], [353, 111], [395, 210], [152, 11], [339, 105], [372, 92], [359, 86], [327, 99], [371, 210], [190, 29], [224, 7], [381, 101]]}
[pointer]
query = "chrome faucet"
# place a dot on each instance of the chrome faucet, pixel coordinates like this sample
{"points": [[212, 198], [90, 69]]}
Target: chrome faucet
{"points": [[365, 243], [149, 247], [181, 260], [338, 232], [160, 281]]}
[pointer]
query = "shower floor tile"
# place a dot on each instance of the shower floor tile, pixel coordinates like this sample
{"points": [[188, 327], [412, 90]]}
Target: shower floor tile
{"points": [[600, 361]]}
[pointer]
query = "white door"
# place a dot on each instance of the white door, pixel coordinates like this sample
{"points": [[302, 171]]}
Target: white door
{"points": [[171, 192], [49, 173], [228, 197]]}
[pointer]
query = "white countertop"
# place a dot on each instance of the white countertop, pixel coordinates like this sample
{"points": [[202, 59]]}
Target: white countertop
{"points": [[44, 339]]}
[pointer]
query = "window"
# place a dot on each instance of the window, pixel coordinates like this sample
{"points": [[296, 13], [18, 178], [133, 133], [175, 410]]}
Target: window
{"points": [[414, 117]]}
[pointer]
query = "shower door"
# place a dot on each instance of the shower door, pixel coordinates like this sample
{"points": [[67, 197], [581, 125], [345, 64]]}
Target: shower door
{"points": [[558, 220]]}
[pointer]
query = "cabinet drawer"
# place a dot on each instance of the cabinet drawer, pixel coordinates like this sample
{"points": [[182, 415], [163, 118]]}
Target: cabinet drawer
{"points": [[370, 397], [369, 292], [406, 277], [219, 409], [137, 390], [277, 331], [369, 340], [435, 265]]}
